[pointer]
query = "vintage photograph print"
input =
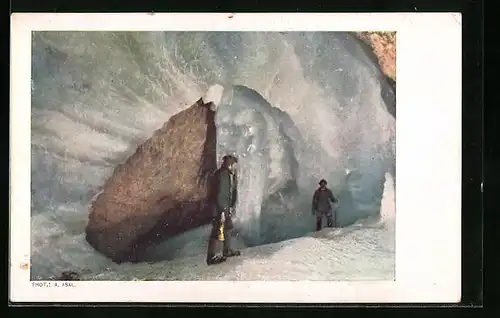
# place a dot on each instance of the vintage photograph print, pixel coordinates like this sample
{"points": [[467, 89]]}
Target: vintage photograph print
{"points": [[215, 156]]}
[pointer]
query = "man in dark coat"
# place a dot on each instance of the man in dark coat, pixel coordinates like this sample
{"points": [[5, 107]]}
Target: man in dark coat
{"points": [[321, 205], [223, 197]]}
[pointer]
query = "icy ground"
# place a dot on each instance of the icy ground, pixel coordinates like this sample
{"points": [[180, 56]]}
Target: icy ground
{"points": [[325, 255]]}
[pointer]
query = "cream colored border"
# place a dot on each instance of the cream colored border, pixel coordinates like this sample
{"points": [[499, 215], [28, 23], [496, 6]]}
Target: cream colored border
{"points": [[428, 235]]}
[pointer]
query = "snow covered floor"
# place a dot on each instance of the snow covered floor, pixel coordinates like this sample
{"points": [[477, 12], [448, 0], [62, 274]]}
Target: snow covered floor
{"points": [[358, 252]]}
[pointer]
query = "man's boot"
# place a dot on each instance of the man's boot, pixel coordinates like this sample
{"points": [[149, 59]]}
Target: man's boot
{"points": [[213, 258], [227, 250], [330, 222], [213, 242], [318, 223]]}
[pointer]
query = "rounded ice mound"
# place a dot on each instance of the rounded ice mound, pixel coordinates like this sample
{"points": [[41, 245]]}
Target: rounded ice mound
{"points": [[258, 133]]}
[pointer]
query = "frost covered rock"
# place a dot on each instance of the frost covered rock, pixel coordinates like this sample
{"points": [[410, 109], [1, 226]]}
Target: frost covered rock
{"points": [[160, 191]]}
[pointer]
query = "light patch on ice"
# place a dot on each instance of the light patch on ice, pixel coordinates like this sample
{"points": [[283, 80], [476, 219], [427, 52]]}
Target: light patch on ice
{"points": [[214, 95], [388, 205]]}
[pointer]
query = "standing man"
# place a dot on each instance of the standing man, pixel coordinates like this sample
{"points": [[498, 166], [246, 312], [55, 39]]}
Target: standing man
{"points": [[223, 197], [321, 205]]}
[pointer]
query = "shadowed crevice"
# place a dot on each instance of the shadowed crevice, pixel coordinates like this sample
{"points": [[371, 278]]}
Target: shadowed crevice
{"points": [[208, 162]]}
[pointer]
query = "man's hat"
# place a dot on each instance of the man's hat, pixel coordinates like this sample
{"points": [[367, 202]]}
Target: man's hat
{"points": [[226, 158], [322, 181]]}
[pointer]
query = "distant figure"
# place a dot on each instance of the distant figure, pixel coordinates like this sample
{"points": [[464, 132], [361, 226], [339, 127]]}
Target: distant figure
{"points": [[321, 205], [223, 198]]}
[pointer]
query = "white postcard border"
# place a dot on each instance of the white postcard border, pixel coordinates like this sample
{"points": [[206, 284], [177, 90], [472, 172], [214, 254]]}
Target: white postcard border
{"points": [[428, 164]]}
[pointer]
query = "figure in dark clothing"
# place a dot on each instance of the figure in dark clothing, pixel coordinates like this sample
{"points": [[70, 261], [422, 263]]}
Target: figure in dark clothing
{"points": [[223, 197], [321, 205]]}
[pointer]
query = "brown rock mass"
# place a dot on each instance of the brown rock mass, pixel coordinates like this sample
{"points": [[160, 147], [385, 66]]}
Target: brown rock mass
{"points": [[383, 45], [381, 48], [160, 191]]}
